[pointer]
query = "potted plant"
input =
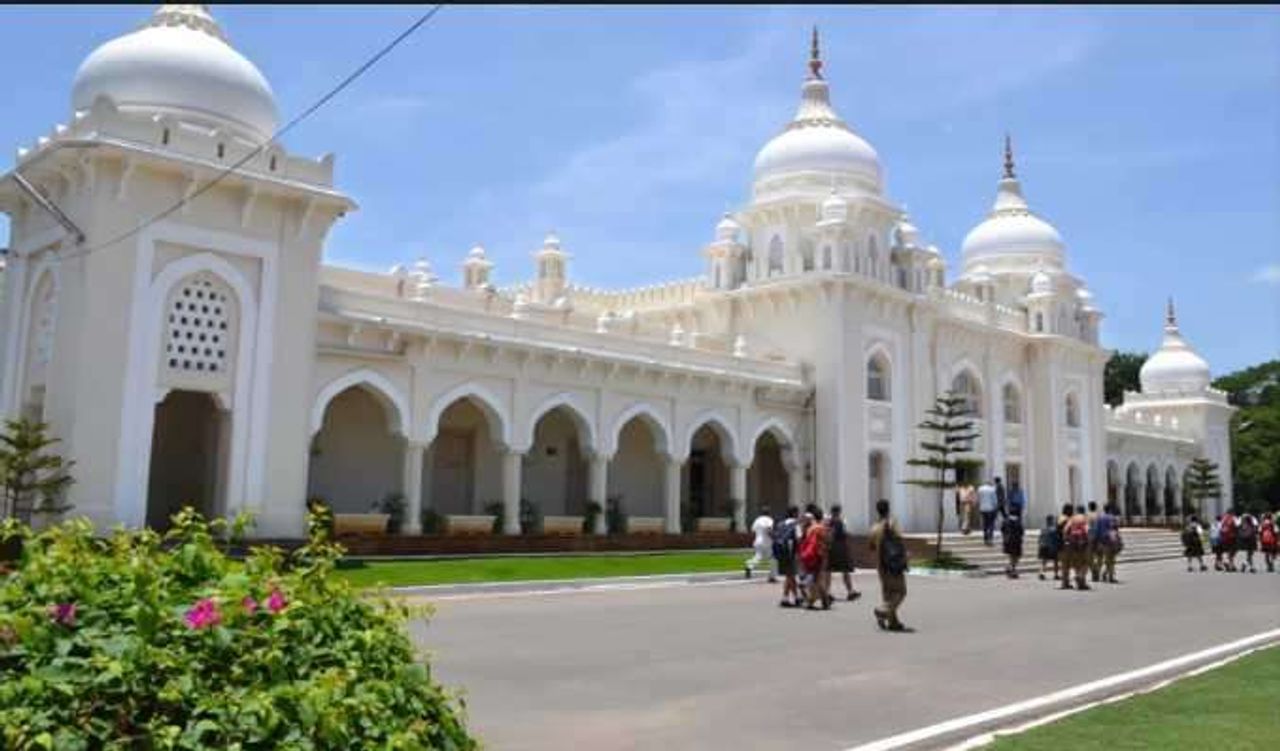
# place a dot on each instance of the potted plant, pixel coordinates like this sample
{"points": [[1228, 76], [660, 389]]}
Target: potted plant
{"points": [[393, 505]]}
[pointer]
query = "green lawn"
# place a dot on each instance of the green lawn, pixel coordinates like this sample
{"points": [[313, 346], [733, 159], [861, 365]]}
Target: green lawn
{"points": [[399, 573], [1235, 707]]}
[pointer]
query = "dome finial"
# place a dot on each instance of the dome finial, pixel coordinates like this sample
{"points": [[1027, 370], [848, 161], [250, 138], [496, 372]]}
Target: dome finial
{"points": [[1008, 157], [815, 56], [1170, 317]]}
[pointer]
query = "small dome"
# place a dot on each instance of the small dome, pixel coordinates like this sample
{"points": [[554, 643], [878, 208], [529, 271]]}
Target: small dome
{"points": [[1175, 366], [906, 232], [980, 275], [834, 208], [1085, 298], [476, 253], [179, 63], [1041, 283], [727, 229], [552, 240]]}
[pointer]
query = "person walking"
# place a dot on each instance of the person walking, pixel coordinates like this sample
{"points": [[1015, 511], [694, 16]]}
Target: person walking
{"points": [[762, 545], [785, 535], [891, 565], [1269, 536], [1193, 543], [1017, 499], [1096, 547], [988, 506], [1011, 533], [1215, 542], [1050, 546], [968, 499], [840, 558], [1111, 541], [1229, 541], [813, 560], [1002, 498], [1075, 539], [1248, 537]]}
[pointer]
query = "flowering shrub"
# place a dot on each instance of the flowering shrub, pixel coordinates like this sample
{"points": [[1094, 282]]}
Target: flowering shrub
{"points": [[148, 641]]}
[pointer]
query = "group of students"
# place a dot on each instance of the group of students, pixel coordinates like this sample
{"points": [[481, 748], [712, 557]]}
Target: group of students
{"points": [[1231, 534], [1080, 543], [806, 548]]}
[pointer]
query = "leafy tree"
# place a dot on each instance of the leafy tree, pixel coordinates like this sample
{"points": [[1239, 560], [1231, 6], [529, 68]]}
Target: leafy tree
{"points": [[1202, 483], [31, 477], [953, 434], [1121, 374], [1255, 434]]}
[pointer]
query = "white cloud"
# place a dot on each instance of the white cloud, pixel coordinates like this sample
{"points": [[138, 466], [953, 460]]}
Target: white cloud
{"points": [[1269, 274]]}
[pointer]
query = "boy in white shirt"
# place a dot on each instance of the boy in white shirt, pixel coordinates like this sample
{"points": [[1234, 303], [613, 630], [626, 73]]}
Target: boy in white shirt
{"points": [[762, 528]]}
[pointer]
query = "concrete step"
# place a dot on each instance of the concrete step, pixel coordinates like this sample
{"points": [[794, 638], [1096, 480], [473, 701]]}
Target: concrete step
{"points": [[1140, 545]]}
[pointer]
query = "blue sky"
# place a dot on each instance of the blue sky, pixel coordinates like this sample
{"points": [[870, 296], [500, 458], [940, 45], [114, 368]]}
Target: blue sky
{"points": [[1149, 136]]}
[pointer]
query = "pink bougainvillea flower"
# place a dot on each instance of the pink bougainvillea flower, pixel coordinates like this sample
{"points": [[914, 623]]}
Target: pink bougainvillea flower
{"points": [[276, 602], [63, 613], [250, 604], [204, 614]]}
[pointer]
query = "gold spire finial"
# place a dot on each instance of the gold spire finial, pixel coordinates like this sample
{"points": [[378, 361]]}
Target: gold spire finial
{"points": [[815, 55], [1008, 157]]}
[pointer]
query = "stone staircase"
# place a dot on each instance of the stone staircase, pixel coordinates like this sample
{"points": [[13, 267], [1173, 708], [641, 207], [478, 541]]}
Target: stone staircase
{"points": [[1140, 544]]}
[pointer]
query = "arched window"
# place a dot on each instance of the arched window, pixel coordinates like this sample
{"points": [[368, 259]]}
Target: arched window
{"points": [[1039, 323], [826, 257], [775, 256], [1073, 411], [1012, 404], [873, 257], [878, 378], [806, 256], [966, 386]]}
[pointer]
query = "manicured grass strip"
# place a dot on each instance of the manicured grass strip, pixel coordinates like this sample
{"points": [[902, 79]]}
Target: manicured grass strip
{"points": [[473, 570], [1232, 708]]}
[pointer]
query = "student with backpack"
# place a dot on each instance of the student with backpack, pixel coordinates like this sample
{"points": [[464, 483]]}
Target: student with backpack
{"points": [[1229, 541], [1193, 543], [1050, 546], [1270, 538], [1096, 549], [1011, 533], [839, 557], [891, 565], [1109, 540], [813, 560], [1247, 535], [1215, 542], [784, 551], [1075, 540]]}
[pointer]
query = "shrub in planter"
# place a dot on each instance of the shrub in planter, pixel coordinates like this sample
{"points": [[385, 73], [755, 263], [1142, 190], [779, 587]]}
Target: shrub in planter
{"points": [[592, 513], [530, 518], [496, 510], [615, 516], [394, 506], [432, 522], [144, 641]]}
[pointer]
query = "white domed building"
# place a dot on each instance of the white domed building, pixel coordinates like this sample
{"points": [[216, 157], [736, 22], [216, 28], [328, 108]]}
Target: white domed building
{"points": [[177, 329]]}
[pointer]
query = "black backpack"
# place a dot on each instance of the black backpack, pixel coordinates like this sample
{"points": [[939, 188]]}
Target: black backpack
{"points": [[784, 540], [893, 553]]}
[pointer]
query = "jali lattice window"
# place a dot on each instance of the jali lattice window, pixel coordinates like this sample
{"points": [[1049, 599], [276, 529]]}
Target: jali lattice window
{"points": [[201, 326]]}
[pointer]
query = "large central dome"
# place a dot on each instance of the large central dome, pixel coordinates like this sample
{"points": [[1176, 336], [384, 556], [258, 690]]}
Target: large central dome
{"points": [[179, 63], [817, 144]]}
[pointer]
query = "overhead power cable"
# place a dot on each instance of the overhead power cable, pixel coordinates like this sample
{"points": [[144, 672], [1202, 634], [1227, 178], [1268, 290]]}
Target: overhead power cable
{"points": [[322, 101]]}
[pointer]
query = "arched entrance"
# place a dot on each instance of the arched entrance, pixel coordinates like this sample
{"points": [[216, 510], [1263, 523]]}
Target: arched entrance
{"points": [[1132, 503], [1152, 496], [1113, 482], [768, 482], [465, 461], [190, 442], [1170, 493], [637, 469], [356, 456], [877, 477], [705, 480], [555, 470]]}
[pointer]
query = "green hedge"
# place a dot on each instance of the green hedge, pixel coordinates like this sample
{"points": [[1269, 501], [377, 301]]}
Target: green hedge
{"points": [[144, 641]]}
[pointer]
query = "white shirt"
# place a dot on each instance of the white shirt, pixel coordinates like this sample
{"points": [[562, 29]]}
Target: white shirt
{"points": [[987, 500], [763, 528]]}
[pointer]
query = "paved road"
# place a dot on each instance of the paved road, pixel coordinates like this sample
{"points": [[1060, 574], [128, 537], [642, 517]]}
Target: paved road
{"points": [[721, 666]]}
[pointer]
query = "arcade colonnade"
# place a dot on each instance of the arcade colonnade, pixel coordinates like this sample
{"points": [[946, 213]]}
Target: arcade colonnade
{"points": [[466, 450], [1150, 489]]}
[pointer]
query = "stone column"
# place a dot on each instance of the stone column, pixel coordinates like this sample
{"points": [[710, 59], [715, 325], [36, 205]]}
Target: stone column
{"points": [[511, 465], [671, 496], [1142, 503], [738, 495], [413, 456], [795, 484], [598, 489]]}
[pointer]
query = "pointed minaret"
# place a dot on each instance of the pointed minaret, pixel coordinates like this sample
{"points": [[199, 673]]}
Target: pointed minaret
{"points": [[815, 56], [1008, 158], [1170, 317]]}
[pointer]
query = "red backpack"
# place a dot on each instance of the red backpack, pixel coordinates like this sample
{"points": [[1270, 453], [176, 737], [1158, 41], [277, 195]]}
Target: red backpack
{"points": [[1078, 533], [1268, 535], [1228, 530], [811, 549]]}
